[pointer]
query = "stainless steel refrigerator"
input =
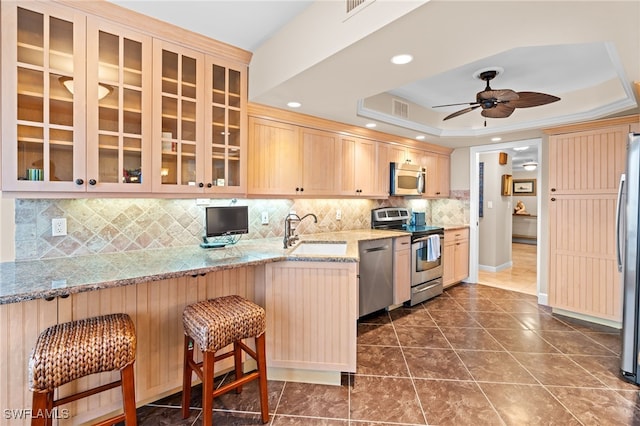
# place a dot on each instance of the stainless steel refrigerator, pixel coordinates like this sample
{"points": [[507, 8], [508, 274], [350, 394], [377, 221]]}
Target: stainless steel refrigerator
{"points": [[628, 252]]}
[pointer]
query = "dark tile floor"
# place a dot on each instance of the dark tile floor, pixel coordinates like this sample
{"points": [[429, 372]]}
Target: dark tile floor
{"points": [[475, 355]]}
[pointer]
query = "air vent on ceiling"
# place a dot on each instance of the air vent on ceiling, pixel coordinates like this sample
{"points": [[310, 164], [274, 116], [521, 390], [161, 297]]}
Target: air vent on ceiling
{"points": [[400, 109], [352, 4]]}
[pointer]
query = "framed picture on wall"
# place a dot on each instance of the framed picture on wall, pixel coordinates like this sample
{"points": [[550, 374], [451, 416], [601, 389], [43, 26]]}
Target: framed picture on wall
{"points": [[524, 186], [506, 184]]}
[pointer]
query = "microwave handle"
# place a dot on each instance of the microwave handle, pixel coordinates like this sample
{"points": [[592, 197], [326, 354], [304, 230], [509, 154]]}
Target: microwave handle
{"points": [[421, 183]]}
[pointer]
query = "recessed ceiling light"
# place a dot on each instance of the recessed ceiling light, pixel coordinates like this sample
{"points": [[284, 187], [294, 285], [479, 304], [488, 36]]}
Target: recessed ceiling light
{"points": [[294, 104], [371, 125], [496, 139], [420, 137], [402, 59], [520, 148]]}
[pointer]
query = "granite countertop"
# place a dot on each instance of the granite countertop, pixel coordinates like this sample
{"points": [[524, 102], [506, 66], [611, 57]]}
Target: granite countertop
{"points": [[39, 279]]}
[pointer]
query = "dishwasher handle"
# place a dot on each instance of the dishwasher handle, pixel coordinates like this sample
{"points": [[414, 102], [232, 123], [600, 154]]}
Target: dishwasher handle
{"points": [[372, 249]]}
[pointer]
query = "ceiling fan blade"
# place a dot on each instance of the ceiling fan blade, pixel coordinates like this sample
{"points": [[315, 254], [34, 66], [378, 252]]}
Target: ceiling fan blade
{"points": [[462, 111], [501, 95], [532, 99], [501, 110], [448, 105]]}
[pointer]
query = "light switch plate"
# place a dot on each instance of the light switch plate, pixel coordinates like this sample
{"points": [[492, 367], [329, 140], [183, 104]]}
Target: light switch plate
{"points": [[265, 218]]}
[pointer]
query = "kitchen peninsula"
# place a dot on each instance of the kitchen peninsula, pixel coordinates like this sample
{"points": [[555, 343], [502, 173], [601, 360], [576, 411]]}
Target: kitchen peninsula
{"points": [[311, 303]]}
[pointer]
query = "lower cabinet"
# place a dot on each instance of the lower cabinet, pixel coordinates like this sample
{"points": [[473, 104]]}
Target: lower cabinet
{"points": [[312, 313], [455, 256], [401, 269]]}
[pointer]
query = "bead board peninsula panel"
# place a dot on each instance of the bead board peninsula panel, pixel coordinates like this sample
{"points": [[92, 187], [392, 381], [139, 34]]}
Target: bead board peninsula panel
{"points": [[118, 225]]}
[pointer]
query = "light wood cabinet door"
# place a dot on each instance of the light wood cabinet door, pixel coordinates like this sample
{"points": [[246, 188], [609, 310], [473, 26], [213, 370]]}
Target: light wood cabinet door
{"points": [[455, 256], [437, 185], [178, 85], [319, 151], [401, 269], [584, 172], [275, 158], [118, 103], [226, 128], [312, 315], [43, 121], [359, 173]]}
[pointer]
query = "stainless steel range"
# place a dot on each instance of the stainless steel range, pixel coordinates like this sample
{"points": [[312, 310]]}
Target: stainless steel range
{"points": [[426, 250]]}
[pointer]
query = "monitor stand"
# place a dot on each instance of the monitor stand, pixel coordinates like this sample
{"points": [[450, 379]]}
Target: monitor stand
{"points": [[212, 245]]}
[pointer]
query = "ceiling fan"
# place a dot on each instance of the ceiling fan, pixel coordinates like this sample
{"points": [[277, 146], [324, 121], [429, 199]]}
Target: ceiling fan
{"points": [[500, 103]]}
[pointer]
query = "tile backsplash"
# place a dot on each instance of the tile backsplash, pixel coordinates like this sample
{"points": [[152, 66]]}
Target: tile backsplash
{"points": [[116, 225]]}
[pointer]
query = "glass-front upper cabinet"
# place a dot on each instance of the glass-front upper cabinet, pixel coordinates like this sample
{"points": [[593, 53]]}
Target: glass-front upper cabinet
{"points": [[178, 130], [43, 80], [225, 135], [118, 109]]}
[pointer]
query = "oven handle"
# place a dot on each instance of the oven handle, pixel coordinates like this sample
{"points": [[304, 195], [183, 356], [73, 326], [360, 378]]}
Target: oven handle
{"points": [[421, 239], [426, 287]]}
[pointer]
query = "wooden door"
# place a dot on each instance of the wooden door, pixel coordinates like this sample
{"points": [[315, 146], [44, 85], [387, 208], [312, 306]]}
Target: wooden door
{"points": [[275, 158], [584, 172]]}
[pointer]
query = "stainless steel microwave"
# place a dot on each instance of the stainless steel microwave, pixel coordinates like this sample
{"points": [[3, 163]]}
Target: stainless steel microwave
{"points": [[406, 179]]}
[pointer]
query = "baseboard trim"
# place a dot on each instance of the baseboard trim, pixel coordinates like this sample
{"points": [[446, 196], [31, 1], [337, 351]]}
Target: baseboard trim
{"points": [[588, 318], [494, 269], [543, 299]]}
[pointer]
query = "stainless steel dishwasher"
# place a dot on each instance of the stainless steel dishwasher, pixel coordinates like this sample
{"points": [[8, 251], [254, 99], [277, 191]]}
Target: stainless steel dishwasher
{"points": [[376, 275]]}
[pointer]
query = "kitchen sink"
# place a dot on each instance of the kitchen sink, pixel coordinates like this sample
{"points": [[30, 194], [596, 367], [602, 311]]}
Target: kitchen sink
{"points": [[321, 248]]}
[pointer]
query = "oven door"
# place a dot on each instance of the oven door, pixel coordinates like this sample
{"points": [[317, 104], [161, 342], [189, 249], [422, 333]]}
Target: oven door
{"points": [[425, 265]]}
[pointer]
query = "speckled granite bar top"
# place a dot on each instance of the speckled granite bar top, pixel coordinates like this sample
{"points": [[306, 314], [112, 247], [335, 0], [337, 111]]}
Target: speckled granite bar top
{"points": [[39, 279]]}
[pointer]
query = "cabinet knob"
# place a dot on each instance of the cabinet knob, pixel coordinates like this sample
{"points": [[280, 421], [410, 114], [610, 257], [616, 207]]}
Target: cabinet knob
{"points": [[297, 189], [92, 182], [209, 185], [301, 189], [79, 181], [553, 199], [201, 185], [553, 190]]}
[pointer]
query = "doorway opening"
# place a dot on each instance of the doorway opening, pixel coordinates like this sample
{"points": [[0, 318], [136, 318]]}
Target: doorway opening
{"points": [[519, 270]]}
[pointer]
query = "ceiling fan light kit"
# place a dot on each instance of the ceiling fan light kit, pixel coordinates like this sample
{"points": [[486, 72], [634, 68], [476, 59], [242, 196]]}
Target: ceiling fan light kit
{"points": [[500, 103]]}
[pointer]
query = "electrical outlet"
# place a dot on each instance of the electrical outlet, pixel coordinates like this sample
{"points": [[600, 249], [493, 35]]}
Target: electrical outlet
{"points": [[58, 227], [265, 218], [338, 214]]}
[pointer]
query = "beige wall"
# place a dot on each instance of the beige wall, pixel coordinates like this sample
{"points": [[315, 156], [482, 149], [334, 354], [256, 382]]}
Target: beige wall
{"points": [[494, 232]]}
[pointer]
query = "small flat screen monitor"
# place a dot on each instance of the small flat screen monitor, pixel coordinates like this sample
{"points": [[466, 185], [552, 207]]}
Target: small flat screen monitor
{"points": [[230, 220]]}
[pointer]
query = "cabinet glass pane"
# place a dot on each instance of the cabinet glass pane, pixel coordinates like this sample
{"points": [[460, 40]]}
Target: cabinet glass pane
{"points": [[108, 159], [61, 155], [30, 152], [61, 45], [109, 58], [234, 88], [60, 103], [132, 114], [188, 163], [234, 128], [219, 85], [218, 129], [30, 37], [30, 95], [132, 148], [132, 63], [108, 113], [169, 72], [169, 171], [188, 120], [188, 77], [233, 166], [218, 166]]}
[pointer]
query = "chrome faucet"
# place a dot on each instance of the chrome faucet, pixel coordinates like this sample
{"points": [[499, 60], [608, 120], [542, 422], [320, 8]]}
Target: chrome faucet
{"points": [[289, 236]]}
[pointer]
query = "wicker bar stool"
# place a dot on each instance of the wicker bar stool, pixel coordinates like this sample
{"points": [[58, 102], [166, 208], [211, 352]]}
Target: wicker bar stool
{"points": [[69, 351], [212, 325]]}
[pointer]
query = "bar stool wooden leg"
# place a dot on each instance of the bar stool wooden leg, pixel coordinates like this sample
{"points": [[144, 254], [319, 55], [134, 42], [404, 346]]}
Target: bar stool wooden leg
{"points": [[186, 376], [207, 387], [129, 395], [39, 406], [262, 381], [237, 362]]}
